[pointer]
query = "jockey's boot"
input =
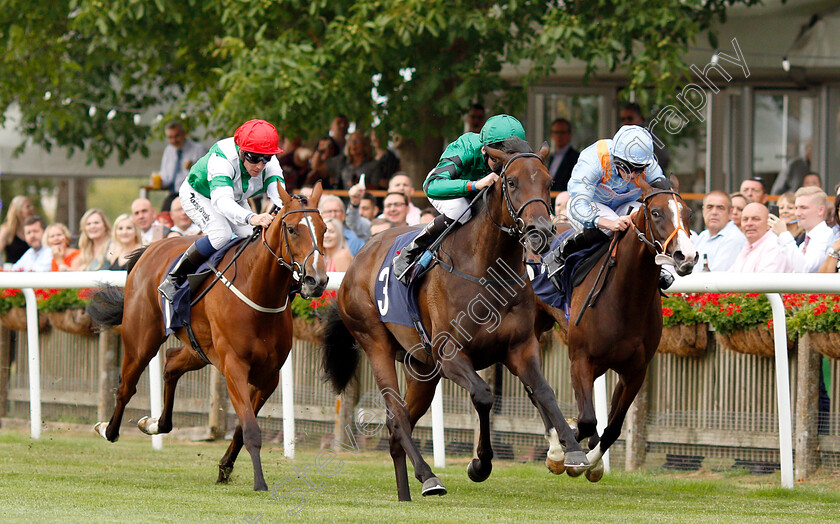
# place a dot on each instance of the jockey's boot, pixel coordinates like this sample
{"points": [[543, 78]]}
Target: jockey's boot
{"points": [[665, 279], [555, 261], [189, 263], [404, 262]]}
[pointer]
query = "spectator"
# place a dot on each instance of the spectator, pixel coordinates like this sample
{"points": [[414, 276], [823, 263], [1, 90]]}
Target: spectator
{"points": [[38, 257], [401, 183], [738, 204], [387, 161], [475, 118], [812, 180], [338, 257], [631, 114], [338, 130], [11, 232], [125, 240], [721, 241], [754, 190], [378, 225], [143, 215], [325, 157], [178, 157], [396, 208], [810, 210], [182, 225], [787, 213], [295, 162], [331, 206], [58, 240], [354, 219], [428, 214], [368, 207], [832, 261], [305, 191], [561, 203], [761, 253], [791, 177], [359, 161], [94, 241], [564, 158]]}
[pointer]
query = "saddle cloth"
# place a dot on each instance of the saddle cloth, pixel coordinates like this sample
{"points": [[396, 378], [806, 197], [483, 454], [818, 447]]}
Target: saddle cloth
{"points": [[393, 300], [578, 265], [177, 314]]}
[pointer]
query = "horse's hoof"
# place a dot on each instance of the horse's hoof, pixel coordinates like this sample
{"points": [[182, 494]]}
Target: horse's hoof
{"points": [[101, 429], [147, 425], [555, 466], [576, 463], [224, 474], [433, 486], [596, 472], [260, 487], [473, 471]]}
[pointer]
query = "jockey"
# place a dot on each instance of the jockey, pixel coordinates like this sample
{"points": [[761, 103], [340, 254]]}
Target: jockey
{"points": [[464, 169], [216, 192], [603, 188]]}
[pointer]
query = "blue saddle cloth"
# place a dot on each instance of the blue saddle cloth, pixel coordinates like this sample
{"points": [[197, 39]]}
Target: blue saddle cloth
{"points": [[543, 287], [177, 314], [393, 300]]}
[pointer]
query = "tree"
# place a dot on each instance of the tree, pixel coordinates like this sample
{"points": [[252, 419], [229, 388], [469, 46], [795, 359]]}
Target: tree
{"points": [[298, 63]]}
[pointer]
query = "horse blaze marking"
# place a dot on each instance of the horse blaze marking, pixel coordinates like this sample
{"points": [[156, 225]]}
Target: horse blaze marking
{"points": [[383, 277]]}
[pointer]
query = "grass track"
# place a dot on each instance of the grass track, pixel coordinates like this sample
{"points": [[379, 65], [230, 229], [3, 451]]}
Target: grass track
{"points": [[67, 477]]}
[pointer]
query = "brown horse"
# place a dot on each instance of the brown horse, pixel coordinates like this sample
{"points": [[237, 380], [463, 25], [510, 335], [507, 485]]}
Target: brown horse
{"points": [[474, 318], [248, 346], [622, 330]]}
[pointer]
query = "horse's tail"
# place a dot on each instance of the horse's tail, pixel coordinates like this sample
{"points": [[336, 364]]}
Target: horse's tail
{"points": [[341, 353], [106, 303], [106, 306]]}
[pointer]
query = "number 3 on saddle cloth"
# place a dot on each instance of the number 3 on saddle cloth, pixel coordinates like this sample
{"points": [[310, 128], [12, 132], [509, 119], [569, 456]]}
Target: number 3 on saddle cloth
{"points": [[578, 265], [177, 314], [396, 303]]}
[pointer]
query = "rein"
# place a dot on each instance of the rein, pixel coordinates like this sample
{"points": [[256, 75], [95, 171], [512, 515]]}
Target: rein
{"points": [[518, 228], [658, 247]]}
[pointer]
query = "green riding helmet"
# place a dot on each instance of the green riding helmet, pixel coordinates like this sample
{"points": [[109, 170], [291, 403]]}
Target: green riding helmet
{"points": [[500, 127]]}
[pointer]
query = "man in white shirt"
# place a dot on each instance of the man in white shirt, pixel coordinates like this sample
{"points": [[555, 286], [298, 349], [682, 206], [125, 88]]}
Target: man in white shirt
{"points": [[178, 157], [38, 257], [721, 241], [811, 203], [143, 215], [761, 253], [182, 225]]}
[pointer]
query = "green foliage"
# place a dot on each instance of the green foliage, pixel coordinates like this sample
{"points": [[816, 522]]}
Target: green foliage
{"points": [[729, 312], [310, 309], [10, 298], [676, 310], [820, 314], [57, 300]]}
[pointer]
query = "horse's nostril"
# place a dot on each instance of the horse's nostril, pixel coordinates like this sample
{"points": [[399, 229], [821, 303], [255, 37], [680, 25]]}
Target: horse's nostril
{"points": [[679, 257], [309, 281]]}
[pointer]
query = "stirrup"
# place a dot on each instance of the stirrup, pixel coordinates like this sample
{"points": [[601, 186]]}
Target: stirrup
{"points": [[167, 289]]}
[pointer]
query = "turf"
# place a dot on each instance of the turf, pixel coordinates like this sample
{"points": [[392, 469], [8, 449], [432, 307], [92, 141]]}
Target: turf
{"points": [[68, 477]]}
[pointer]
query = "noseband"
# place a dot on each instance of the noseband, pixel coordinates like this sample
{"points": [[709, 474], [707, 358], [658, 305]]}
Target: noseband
{"points": [[298, 270], [658, 247], [518, 228]]}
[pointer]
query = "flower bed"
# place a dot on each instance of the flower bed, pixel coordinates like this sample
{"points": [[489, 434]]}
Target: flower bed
{"points": [[684, 331], [819, 316], [13, 310], [66, 310], [307, 316]]}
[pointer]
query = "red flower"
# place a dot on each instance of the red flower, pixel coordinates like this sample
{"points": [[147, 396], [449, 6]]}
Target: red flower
{"points": [[667, 312]]}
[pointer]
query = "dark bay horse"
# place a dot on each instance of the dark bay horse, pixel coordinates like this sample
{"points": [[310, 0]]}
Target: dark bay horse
{"points": [[621, 332], [474, 320], [248, 346]]}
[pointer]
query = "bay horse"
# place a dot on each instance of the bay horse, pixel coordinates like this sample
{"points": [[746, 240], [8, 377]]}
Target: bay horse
{"points": [[513, 211], [246, 345], [622, 330]]}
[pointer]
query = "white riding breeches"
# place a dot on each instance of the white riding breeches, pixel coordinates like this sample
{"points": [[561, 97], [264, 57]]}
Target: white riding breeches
{"points": [[453, 208], [216, 226]]}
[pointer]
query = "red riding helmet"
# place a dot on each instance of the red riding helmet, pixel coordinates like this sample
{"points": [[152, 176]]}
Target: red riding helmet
{"points": [[258, 136]]}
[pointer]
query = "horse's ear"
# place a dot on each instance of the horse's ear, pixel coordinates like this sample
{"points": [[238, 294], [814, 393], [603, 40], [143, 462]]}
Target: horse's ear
{"points": [[498, 155], [646, 188], [316, 194], [544, 151], [284, 195]]}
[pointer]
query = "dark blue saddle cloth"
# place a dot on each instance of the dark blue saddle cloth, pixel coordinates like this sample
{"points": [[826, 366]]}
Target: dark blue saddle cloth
{"points": [[393, 300], [569, 276], [177, 314]]}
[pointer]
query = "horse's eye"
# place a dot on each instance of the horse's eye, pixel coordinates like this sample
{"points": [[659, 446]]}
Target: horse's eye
{"points": [[291, 230], [511, 183], [656, 214]]}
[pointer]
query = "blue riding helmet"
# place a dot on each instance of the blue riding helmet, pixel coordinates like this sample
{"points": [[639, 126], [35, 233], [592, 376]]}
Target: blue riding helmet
{"points": [[633, 147]]}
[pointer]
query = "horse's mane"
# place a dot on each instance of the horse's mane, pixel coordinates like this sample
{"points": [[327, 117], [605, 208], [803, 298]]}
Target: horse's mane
{"points": [[513, 145], [132, 258]]}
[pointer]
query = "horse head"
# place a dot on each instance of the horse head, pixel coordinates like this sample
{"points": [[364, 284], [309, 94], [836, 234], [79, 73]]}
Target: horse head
{"points": [[300, 230], [666, 217], [524, 184]]}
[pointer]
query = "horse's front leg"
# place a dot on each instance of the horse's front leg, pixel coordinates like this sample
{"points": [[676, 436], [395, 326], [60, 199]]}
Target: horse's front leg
{"points": [[565, 453], [179, 360], [583, 379], [460, 370]]}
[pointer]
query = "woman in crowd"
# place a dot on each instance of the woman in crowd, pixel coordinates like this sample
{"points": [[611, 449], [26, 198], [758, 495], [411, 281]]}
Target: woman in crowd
{"points": [[11, 232], [337, 254], [359, 160], [94, 241], [57, 238], [125, 239], [787, 212]]}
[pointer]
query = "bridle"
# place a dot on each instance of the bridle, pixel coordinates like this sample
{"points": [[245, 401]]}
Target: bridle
{"points": [[518, 228], [658, 247], [298, 270]]}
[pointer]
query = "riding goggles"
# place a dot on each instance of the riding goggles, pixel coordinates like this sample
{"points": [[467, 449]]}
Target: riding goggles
{"points": [[629, 167], [256, 158]]}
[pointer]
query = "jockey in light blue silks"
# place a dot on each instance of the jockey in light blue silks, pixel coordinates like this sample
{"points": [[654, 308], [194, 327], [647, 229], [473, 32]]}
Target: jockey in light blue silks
{"points": [[603, 188]]}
